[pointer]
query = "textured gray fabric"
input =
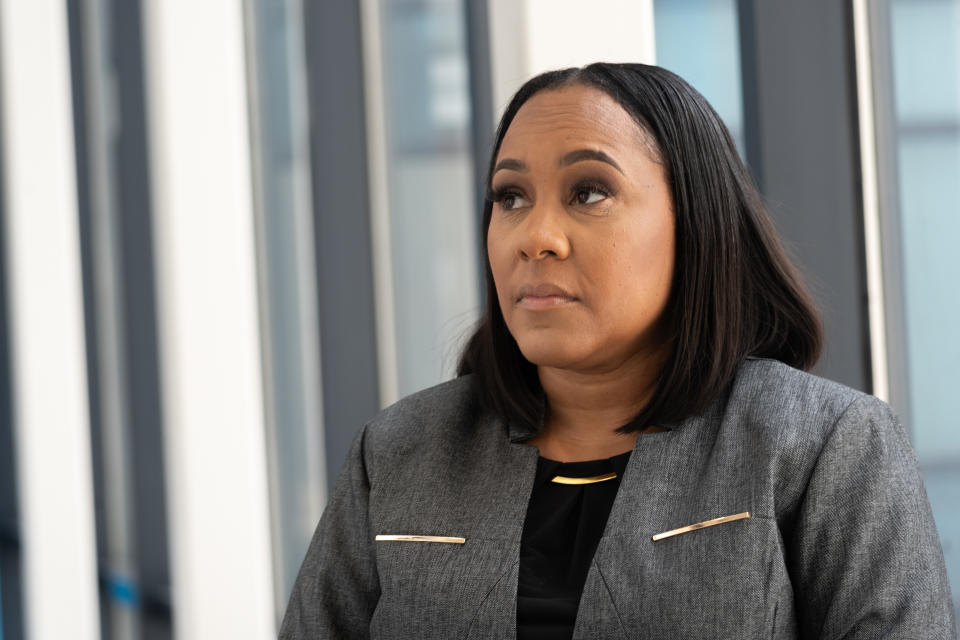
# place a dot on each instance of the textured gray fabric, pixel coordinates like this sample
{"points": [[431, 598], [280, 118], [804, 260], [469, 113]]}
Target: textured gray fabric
{"points": [[841, 542]]}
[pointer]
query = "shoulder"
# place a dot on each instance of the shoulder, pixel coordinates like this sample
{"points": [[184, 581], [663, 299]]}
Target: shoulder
{"points": [[441, 401], [433, 418], [848, 498], [795, 422], [787, 400]]}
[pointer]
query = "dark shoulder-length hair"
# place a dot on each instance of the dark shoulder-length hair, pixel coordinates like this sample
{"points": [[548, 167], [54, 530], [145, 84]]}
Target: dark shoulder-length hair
{"points": [[734, 294]]}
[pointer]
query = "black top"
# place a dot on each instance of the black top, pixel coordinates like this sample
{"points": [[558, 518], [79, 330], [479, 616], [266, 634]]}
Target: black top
{"points": [[560, 535]]}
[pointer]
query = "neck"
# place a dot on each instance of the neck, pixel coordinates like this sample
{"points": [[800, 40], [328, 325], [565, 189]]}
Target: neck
{"points": [[585, 409]]}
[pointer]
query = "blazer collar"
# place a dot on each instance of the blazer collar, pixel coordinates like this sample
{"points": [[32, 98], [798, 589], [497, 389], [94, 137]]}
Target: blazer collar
{"points": [[519, 433]]}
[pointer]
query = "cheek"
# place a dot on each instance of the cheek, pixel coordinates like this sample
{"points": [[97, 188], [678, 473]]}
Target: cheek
{"points": [[498, 259], [639, 272]]}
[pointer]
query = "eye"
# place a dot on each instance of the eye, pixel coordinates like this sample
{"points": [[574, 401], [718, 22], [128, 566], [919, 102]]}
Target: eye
{"points": [[589, 194], [509, 199]]}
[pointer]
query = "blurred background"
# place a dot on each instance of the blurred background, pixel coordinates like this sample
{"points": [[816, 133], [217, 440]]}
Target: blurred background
{"points": [[232, 230]]}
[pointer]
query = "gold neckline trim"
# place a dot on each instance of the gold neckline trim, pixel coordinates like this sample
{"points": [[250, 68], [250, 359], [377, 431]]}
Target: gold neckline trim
{"points": [[589, 480]]}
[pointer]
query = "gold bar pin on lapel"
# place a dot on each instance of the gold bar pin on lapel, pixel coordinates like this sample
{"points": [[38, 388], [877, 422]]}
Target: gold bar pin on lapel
{"points": [[701, 525], [415, 538]]}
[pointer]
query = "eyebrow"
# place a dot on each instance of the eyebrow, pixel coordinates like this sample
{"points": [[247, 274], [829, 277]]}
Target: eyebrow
{"points": [[572, 157], [589, 154], [512, 165]]}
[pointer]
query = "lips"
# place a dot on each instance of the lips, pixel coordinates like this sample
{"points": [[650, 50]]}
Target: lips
{"points": [[543, 296]]}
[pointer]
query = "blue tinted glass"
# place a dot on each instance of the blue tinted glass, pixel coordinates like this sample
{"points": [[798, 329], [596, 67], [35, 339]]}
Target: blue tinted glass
{"points": [[291, 358], [431, 195], [700, 41], [926, 75]]}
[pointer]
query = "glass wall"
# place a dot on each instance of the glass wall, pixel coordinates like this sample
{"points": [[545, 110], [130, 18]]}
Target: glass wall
{"points": [[700, 41], [117, 273], [431, 195], [925, 55], [286, 259]]}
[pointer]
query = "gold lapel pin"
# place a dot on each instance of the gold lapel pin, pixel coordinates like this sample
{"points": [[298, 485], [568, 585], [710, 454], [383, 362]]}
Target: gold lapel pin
{"points": [[414, 538], [701, 525]]}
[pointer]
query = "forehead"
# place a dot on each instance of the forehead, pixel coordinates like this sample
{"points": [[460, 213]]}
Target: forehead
{"points": [[572, 116]]}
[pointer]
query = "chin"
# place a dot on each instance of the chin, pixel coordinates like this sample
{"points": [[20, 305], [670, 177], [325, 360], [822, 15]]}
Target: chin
{"points": [[553, 353]]}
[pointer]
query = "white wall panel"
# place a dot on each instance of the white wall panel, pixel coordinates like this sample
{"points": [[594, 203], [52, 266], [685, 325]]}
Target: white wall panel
{"points": [[210, 339], [52, 434], [532, 36]]}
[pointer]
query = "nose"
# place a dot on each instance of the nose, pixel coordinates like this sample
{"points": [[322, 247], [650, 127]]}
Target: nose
{"points": [[544, 234]]}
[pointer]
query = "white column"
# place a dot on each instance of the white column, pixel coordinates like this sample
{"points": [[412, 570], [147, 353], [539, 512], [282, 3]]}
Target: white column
{"points": [[52, 432], [208, 319], [532, 36], [871, 202], [388, 371]]}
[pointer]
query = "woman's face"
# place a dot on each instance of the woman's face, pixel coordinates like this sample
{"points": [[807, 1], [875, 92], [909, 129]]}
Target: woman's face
{"points": [[581, 238]]}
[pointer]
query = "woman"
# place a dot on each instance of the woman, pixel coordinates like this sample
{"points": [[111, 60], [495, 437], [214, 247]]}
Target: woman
{"points": [[631, 449]]}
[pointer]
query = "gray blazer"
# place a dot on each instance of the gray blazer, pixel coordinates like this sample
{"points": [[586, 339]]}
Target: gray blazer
{"points": [[840, 542]]}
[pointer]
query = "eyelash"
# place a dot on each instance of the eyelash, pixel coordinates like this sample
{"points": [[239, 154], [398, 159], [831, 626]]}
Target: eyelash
{"points": [[497, 196], [591, 186]]}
